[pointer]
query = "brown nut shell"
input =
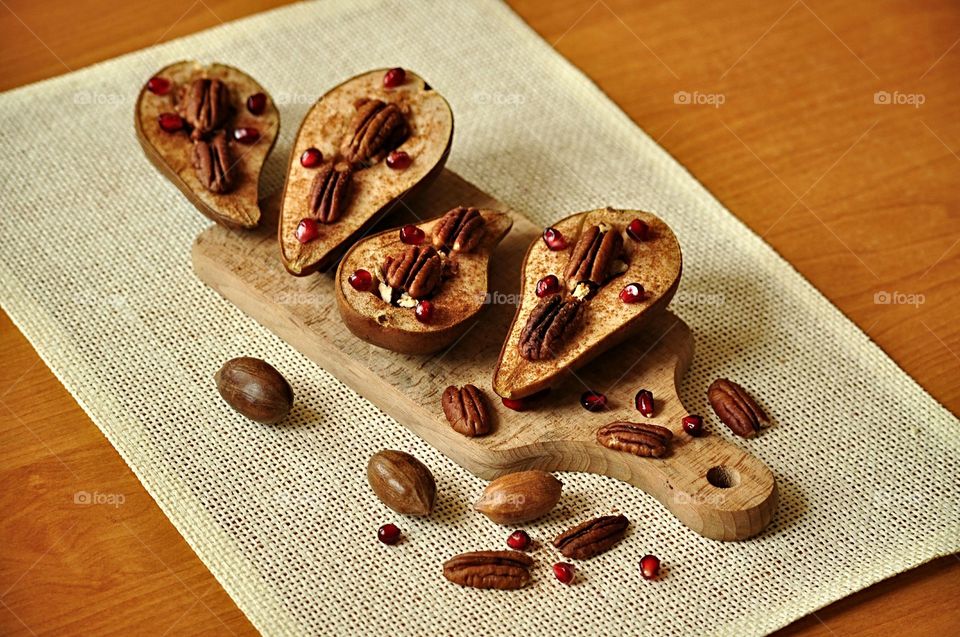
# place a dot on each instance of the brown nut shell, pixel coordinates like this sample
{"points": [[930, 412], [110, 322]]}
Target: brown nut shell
{"points": [[255, 389], [520, 497], [402, 482]]}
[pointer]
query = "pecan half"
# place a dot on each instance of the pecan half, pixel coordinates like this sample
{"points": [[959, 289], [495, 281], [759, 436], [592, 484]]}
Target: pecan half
{"points": [[591, 538], [466, 410], [211, 161], [460, 230], [329, 192], [548, 327], [417, 271], [376, 129], [205, 105], [504, 570], [592, 258], [735, 408], [639, 438]]}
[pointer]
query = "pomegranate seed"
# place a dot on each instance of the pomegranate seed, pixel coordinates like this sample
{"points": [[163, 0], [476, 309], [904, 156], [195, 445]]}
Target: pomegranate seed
{"points": [[246, 135], [519, 541], [389, 534], [158, 85], [394, 78], [307, 230], [516, 404], [311, 158], [631, 293], [170, 122], [257, 103], [644, 402], [412, 235], [424, 311], [593, 401], [548, 285], [553, 239], [563, 571], [398, 160], [361, 281], [638, 230], [693, 425], [649, 566]]}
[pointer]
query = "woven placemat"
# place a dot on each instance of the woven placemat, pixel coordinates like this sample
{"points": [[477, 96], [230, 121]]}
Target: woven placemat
{"points": [[866, 460]]}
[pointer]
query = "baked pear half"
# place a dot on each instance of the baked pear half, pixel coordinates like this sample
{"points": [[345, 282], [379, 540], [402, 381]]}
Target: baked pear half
{"points": [[418, 288], [361, 148], [592, 280], [209, 129]]}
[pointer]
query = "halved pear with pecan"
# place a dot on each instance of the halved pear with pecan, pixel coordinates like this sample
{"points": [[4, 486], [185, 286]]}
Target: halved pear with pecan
{"points": [[362, 147], [417, 289], [209, 129], [589, 283]]}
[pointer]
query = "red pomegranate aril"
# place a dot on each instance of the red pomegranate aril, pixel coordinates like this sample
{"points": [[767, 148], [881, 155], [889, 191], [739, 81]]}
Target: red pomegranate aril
{"points": [[398, 160], [563, 571], [424, 311], [638, 230], [361, 281], [516, 404], [311, 158], [631, 293], [548, 285], [170, 122], [554, 239], [257, 103], [307, 230], [412, 235], [158, 85], [644, 402], [519, 541], [389, 534], [593, 401], [693, 425], [246, 135], [649, 566], [394, 77]]}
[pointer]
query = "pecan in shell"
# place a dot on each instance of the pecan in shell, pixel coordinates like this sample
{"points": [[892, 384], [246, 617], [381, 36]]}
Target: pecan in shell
{"points": [[504, 570], [417, 271], [211, 161], [460, 230], [466, 410], [376, 128], [735, 408], [592, 258], [205, 105], [329, 192], [639, 438], [592, 537], [548, 327]]}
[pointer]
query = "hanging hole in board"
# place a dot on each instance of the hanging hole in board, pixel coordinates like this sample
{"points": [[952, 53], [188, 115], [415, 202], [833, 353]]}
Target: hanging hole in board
{"points": [[723, 477]]}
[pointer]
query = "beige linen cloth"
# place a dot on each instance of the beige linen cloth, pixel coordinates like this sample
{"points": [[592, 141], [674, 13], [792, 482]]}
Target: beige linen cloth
{"points": [[95, 269]]}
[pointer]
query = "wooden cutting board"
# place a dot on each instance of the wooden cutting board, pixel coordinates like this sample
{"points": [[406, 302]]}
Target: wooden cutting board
{"points": [[711, 485]]}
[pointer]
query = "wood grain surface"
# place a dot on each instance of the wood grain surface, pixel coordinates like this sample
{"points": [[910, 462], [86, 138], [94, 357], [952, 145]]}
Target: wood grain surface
{"points": [[861, 197]]}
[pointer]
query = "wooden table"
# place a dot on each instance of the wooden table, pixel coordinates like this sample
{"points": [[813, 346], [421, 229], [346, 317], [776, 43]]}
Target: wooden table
{"points": [[774, 106]]}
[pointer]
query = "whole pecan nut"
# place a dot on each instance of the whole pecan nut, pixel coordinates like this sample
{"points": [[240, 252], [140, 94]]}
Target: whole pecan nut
{"points": [[417, 271], [376, 128], [735, 408], [504, 570], [466, 410], [639, 438], [591, 538], [593, 256], [460, 230], [205, 105], [329, 192], [211, 161], [551, 323]]}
